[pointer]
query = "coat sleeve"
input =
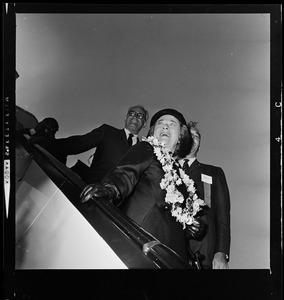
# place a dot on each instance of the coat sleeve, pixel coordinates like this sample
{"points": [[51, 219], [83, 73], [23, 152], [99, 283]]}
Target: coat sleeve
{"points": [[131, 167], [80, 143], [222, 214]]}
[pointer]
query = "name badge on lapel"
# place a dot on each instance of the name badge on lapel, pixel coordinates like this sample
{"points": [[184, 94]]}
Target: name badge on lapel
{"points": [[207, 182]]}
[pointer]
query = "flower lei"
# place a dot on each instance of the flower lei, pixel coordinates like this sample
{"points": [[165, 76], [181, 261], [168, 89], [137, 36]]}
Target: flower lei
{"points": [[182, 209]]}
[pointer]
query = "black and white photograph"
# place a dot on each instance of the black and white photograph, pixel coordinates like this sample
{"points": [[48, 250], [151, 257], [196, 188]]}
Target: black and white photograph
{"points": [[142, 141]]}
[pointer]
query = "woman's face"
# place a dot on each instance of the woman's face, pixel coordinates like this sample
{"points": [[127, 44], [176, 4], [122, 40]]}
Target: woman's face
{"points": [[167, 130]]}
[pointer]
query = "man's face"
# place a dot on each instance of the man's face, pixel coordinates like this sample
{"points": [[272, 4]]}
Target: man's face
{"points": [[135, 120], [167, 130], [196, 142]]}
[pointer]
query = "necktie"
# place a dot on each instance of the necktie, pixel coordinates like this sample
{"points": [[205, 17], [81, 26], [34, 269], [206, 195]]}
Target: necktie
{"points": [[129, 140], [185, 166]]}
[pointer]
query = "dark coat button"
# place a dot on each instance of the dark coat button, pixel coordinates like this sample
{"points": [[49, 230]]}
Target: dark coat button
{"points": [[167, 207]]}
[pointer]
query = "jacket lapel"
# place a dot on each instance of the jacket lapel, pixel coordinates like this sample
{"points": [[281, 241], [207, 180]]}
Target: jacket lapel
{"points": [[123, 136], [204, 185]]}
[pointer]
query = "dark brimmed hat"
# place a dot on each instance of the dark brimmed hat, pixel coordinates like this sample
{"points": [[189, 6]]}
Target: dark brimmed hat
{"points": [[167, 111]]}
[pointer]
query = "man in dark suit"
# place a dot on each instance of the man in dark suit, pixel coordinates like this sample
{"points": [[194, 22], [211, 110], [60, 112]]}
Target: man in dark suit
{"points": [[211, 185], [111, 144]]}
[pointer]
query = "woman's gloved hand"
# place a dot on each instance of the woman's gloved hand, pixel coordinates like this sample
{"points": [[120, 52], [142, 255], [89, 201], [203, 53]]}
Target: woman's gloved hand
{"points": [[196, 229], [98, 190]]}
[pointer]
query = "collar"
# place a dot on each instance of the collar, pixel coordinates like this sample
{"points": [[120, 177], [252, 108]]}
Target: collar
{"points": [[127, 132], [190, 161]]}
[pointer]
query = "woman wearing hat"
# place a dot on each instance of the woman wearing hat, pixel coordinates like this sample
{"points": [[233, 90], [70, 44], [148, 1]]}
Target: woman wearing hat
{"points": [[150, 188]]}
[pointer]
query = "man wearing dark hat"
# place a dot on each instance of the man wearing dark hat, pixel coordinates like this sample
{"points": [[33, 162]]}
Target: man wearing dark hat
{"points": [[134, 184], [44, 132]]}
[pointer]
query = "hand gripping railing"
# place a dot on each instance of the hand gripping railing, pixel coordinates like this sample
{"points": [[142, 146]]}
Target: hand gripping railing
{"points": [[133, 245]]}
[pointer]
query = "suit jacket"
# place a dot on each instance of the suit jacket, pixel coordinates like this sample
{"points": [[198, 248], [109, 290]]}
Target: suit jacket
{"points": [[110, 143], [212, 188], [137, 176]]}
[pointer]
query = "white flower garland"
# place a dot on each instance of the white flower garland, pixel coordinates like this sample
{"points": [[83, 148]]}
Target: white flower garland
{"points": [[192, 204]]}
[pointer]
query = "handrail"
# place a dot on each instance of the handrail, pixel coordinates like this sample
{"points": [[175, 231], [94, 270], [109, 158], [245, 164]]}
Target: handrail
{"points": [[144, 250]]}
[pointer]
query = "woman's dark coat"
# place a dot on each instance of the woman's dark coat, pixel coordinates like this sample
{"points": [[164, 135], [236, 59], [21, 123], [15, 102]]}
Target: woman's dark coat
{"points": [[139, 173]]}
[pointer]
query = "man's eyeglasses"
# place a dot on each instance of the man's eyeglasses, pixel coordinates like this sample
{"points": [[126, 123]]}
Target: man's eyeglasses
{"points": [[136, 114]]}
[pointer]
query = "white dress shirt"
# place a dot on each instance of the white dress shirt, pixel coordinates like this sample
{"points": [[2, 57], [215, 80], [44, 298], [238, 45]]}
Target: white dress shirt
{"points": [[134, 138], [190, 161]]}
